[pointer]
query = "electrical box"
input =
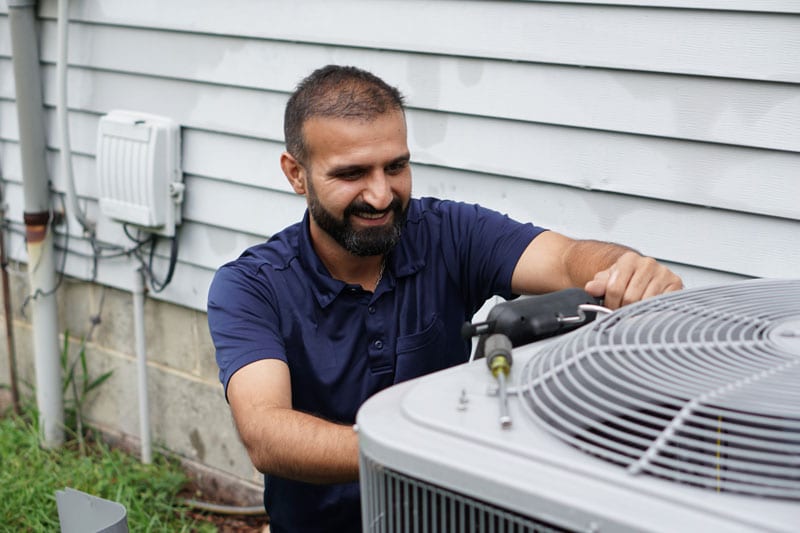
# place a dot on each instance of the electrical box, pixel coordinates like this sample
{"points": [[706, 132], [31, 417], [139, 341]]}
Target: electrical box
{"points": [[139, 170]]}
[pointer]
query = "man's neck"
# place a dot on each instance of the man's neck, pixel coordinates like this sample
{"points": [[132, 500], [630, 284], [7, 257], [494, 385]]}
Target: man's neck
{"points": [[343, 265]]}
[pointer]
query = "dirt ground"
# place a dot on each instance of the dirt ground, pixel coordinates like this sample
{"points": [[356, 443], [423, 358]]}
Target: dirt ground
{"points": [[226, 523], [234, 524]]}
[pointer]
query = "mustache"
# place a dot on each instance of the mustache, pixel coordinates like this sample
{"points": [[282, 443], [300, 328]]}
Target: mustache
{"points": [[363, 207]]}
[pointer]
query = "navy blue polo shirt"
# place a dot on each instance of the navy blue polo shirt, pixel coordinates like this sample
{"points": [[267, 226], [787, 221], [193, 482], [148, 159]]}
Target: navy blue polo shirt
{"points": [[342, 343]]}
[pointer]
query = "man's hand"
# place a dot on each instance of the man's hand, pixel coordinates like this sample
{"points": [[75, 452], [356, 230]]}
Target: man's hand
{"points": [[632, 278]]}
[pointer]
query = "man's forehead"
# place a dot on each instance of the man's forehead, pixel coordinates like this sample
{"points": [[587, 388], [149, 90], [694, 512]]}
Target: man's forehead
{"points": [[336, 121], [331, 135]]}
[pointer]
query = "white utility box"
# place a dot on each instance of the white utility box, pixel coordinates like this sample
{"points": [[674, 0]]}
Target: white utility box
{"points": [[139, 170]]}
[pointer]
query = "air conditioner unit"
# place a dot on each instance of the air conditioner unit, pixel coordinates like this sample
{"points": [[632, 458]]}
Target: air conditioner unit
{"points": [[680, 413]]}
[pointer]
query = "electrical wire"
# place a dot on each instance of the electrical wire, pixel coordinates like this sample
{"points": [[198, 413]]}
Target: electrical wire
{"points": [[95, 319], [173, 260], [119, 251], [147, 265], [126, 230]]}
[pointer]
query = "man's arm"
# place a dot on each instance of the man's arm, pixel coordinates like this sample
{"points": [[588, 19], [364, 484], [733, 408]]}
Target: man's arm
{"points": [[285, 442], [619, 274]]}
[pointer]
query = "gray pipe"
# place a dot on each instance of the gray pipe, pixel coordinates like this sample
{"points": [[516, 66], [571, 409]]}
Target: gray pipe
{"points": [[62, 112], [141, 363], [38, 233]]}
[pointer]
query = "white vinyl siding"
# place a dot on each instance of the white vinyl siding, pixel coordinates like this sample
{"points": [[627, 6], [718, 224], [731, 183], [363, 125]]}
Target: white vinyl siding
{"points": [[673, 128]]}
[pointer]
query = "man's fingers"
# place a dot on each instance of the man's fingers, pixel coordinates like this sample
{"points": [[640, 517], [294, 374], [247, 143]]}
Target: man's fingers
{"points": [[632, 278], [597, 286], [644, 279], [610, 284], [661, 286], [617, 285]]}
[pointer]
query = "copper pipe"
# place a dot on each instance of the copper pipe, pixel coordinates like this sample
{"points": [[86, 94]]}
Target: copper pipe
{"points": [[12, 355]]}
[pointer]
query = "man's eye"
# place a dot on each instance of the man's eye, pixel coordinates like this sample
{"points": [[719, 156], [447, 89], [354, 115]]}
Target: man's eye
{"points": [[396, 168], [350, 174]]}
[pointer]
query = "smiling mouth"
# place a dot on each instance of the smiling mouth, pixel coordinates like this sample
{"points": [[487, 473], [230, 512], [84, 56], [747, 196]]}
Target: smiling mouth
{"points": [[372, 216]]}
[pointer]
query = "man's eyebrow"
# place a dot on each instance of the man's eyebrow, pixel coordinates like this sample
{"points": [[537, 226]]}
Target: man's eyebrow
{"points": [[346, 169], [402, 159], [350, 169]]}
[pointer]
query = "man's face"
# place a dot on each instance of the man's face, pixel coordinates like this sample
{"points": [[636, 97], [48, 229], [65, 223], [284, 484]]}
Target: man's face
{"points": [[359, 181]]}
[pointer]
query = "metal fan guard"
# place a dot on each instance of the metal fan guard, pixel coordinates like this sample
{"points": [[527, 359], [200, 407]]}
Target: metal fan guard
{"points": [[700, 386]]}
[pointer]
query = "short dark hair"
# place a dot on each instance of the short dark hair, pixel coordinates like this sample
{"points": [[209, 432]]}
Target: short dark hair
{"points": [[339, 92]]}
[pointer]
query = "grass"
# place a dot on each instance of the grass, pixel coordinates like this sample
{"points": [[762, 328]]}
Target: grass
{"points": [[30, 477]]}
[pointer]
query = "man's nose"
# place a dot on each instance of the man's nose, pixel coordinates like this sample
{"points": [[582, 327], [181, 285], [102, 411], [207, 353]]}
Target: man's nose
{"points": [[378, 191]]}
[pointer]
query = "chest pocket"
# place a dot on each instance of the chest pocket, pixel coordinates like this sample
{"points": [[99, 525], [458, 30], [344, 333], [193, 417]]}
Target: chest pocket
{"points": [[421, 353]]}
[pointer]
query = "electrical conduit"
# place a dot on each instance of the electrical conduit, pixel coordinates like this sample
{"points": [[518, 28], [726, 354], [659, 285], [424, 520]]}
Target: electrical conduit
{"points": [[62, 111], [141, 363]]}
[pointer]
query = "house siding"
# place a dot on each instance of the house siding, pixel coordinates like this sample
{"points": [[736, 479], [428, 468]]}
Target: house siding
{"points": [[580, 107], [672, 127]]}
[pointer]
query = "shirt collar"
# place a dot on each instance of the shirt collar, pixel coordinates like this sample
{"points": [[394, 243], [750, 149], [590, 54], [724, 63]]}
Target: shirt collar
{"points": [[405, 259]]}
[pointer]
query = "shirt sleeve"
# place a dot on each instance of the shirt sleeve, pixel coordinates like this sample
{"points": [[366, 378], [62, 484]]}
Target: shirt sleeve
{"points": [[486, 245], [243, 320]]}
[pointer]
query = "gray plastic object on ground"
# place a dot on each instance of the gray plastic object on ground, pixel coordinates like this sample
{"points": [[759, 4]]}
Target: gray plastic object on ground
{"points": [[79, 512]]}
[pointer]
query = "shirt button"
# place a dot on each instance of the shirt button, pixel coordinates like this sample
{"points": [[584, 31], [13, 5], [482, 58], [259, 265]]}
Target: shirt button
{"points": [[371, 309], [378, 344]]}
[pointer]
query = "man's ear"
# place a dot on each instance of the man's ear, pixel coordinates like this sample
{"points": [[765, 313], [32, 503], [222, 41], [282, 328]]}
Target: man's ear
{"points": [[295, 173]]}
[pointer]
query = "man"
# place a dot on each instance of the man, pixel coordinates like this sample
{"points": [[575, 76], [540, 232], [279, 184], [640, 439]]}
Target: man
{"points": [[370, 289]]}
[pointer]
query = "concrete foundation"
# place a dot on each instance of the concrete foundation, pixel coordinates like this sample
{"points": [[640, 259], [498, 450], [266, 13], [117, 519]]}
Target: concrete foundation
{"points": [[188, 413]]}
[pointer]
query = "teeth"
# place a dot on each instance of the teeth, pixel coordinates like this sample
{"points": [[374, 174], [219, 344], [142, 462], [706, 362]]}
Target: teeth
{"points": [[371, 216]]}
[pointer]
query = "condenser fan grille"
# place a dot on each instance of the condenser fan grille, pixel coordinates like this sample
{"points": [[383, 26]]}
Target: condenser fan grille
{"points": [[700, 387]]}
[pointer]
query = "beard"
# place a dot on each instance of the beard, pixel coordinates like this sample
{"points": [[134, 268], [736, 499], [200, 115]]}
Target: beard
{"points": [[364, 242]]}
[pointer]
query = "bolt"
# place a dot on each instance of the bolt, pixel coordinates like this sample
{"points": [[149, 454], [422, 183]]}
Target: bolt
{"points": [[463, 400]]}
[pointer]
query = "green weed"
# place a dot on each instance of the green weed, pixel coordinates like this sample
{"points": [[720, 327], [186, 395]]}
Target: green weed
{"points": [[30, 477]]}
